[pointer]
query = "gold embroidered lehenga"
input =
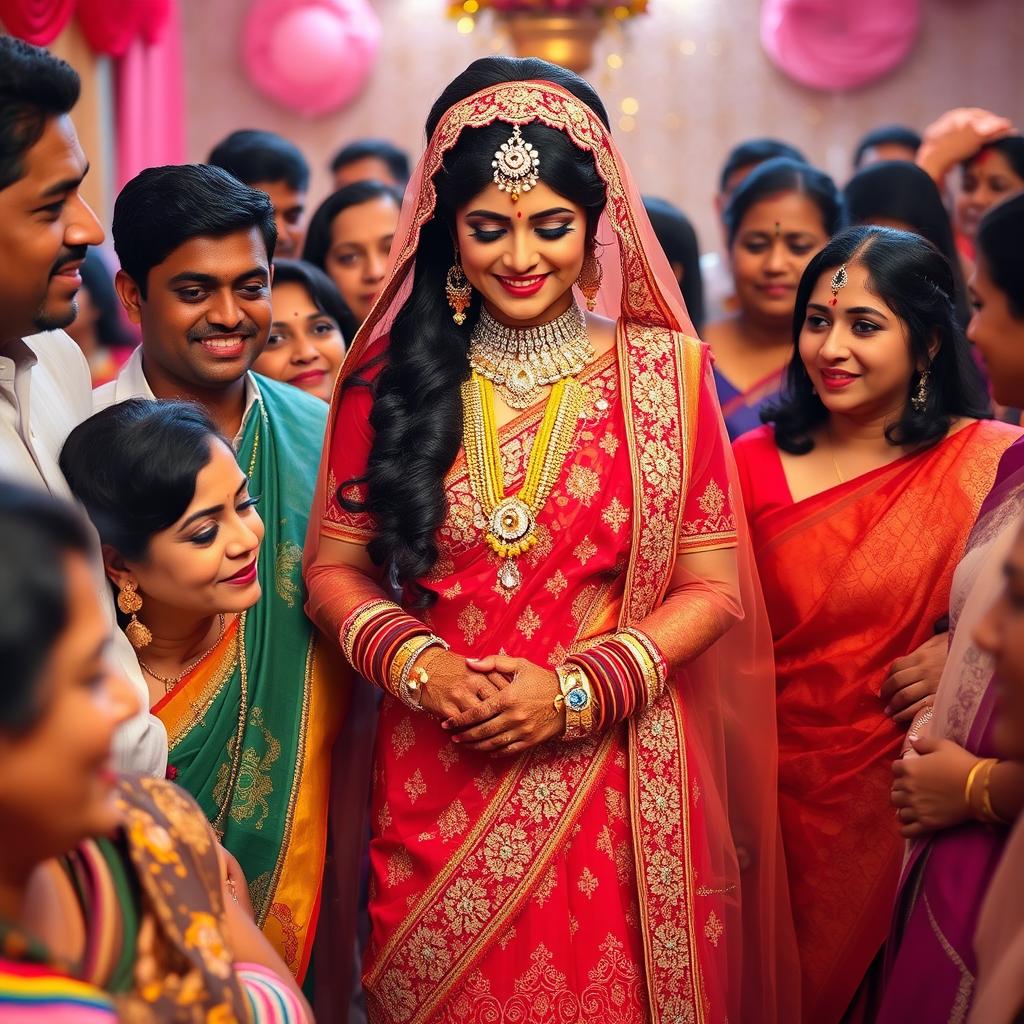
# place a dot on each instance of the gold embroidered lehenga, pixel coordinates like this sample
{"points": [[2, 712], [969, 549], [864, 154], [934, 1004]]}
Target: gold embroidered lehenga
{"points": [[603, 880]]}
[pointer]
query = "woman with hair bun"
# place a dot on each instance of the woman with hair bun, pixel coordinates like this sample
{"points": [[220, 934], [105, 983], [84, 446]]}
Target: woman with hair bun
{"points": [[861, 491], [548, 493]]}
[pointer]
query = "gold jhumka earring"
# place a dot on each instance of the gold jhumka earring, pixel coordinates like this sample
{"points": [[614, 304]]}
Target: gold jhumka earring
{"points": [[130, 603], [458, 291], [589, 280]]}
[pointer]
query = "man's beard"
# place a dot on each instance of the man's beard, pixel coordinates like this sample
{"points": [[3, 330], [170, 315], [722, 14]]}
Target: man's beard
{"points": [[47, 321]]}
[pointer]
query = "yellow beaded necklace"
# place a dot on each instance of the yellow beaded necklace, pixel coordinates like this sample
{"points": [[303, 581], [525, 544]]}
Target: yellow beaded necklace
{"points": [[512, 519]]}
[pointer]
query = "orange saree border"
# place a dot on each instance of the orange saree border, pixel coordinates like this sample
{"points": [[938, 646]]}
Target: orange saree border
{"points": [[293, 932]]}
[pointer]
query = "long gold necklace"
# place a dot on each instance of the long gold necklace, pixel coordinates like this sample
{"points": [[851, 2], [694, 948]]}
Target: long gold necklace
{"points": [[171, 681], [512, 519], [521, 361]]}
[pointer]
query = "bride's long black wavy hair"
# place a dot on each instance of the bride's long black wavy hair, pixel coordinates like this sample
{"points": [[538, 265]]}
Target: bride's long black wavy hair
{"points": [[417, 411]]}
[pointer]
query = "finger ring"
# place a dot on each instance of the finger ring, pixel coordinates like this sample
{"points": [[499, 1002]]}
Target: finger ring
{"points": [[506, 740]]}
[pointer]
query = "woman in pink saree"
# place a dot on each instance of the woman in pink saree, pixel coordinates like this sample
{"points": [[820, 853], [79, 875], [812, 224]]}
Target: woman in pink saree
{"points": [[573, 798]]}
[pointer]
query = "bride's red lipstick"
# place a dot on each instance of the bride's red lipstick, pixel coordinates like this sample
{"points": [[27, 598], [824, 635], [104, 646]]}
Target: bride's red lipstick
{"points": [[523, 287]]}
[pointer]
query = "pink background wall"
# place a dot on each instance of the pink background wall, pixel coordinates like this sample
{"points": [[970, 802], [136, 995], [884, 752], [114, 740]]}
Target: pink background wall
{"points": [[695, 67]]}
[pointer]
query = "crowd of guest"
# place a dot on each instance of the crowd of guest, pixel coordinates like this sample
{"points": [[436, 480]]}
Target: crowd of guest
{"points": [[407, 619]]}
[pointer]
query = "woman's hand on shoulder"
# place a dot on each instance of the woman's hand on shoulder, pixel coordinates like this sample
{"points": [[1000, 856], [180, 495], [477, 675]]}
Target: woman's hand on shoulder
{"points": [[453, 686], [522, 715]]}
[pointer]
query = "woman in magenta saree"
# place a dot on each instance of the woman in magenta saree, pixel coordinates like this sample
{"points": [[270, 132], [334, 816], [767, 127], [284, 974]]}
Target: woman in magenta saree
{"points": [[595, 879], [954, 847]]}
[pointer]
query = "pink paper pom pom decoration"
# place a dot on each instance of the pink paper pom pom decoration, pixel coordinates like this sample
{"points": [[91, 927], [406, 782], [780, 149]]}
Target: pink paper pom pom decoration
{"points": [[837, 45], [311, 56]]}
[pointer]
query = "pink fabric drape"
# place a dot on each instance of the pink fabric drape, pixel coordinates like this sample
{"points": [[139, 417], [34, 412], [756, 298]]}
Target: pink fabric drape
{"points": [[36, 21], [151, 101]]}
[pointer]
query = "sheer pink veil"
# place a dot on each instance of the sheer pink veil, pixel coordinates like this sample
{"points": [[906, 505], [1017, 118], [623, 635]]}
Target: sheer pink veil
{"points": [[728, 693]]}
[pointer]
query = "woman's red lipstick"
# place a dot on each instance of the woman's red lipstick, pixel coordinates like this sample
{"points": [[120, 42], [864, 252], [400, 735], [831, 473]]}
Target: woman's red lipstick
{"points": [[243, 577], [523, 287]]}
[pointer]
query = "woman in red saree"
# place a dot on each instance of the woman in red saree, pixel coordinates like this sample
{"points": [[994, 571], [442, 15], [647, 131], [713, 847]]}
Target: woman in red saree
{"points": [[860, 500], [551, 839]]}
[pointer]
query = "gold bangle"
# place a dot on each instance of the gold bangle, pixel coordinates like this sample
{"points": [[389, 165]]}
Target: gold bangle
{"points": [[645, 663], [358, 619], [977, 766], [988, 811], [411, 690], [657, 658], [579, 701], [403, 657]]}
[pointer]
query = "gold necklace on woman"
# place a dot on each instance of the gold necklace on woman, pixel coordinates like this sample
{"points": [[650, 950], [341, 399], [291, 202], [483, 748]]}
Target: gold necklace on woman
{"points": [[520, 361], [170, 682], [512, 519]]}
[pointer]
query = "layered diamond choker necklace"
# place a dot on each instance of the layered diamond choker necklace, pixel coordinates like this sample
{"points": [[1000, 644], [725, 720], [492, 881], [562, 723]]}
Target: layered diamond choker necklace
{"points": [[519, 361]]}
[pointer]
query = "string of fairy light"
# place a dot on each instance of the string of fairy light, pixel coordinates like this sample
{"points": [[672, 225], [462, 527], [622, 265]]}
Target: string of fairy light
{"points": [[466, 12]]}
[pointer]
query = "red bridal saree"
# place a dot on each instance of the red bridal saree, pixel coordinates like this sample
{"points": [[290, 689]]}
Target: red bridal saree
{"points": [[633, 877], [854, 578]]}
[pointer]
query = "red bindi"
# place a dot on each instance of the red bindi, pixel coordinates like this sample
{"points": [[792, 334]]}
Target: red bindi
{"points": [[519, 214]]}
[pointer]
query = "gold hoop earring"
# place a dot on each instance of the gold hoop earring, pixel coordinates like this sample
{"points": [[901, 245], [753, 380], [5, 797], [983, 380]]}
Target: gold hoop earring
{"points": [[589, 280], [129, 602], [920, 398], [458, 291]]}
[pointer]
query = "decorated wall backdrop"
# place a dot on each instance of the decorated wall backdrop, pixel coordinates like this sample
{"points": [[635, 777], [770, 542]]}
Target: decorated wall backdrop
{"points": [[692, 81]]}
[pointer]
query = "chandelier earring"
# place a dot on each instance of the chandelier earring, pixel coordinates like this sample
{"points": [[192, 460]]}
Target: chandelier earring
{"points": [[458, 291], [589, 281], [129, 601], [920, 397]]}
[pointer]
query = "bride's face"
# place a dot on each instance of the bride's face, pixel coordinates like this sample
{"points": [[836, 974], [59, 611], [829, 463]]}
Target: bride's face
{"points": [[523, 257]]}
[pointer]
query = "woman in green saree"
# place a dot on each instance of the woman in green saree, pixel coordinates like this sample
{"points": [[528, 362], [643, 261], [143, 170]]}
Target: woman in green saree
{"points": [[208, 598]]}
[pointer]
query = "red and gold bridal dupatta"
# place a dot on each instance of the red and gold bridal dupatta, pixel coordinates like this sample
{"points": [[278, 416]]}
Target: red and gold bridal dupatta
{"points": [[855, 577], [691, 780]]}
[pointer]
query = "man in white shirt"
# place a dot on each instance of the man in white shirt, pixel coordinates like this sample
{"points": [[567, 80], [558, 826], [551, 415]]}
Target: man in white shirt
{"points": [[45, 229]]}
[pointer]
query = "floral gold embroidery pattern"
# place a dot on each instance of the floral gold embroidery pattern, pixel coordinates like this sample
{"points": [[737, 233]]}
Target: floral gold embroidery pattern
{"points": [[713, 928], [403, 737], [415, 786], [472, 623], [582, 484], [585, 550], [588, 883], [718, 523], [613, 995], [615, 515], [504, 860], [453, 821], [288, 560], [528, 623]]}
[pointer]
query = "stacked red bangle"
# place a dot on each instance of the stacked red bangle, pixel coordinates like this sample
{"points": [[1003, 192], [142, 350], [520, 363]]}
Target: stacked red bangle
{"points": [[624, 674], [372, 635]]}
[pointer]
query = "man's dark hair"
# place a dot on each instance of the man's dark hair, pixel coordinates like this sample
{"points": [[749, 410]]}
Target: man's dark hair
{"points": [[36, 533], [34, 86], [377, 149], [164, 207], [255, 157], [752, 152], [886, 135]]}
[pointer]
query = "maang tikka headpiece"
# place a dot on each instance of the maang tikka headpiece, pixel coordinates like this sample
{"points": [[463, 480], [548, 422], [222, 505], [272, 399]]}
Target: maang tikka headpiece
{"points": [[838, 281], [515, 165]]}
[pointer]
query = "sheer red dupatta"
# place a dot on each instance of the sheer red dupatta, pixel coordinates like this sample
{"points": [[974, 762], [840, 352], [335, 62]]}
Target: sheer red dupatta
{"points": [[719, 713]]}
